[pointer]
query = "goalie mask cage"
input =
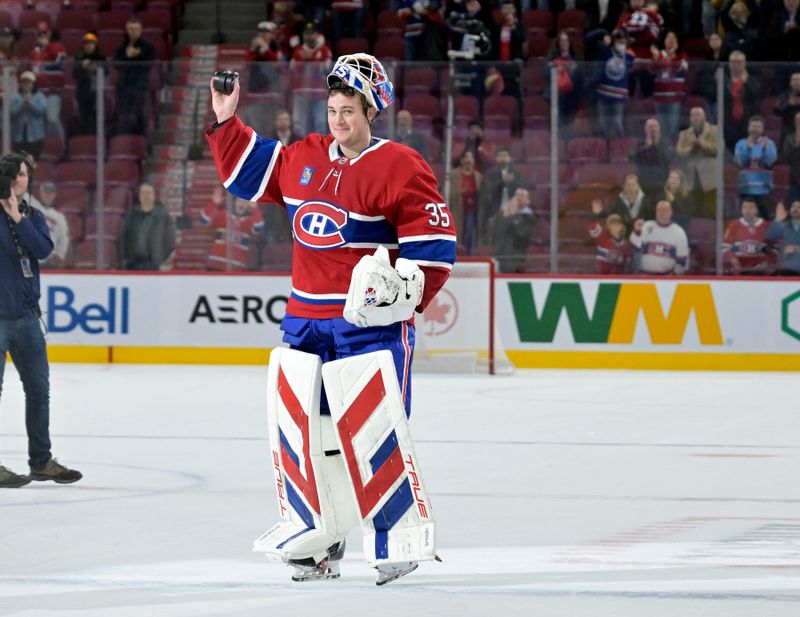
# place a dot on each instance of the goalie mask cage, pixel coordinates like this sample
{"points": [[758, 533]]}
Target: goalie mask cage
{"points": [[457, 331]]}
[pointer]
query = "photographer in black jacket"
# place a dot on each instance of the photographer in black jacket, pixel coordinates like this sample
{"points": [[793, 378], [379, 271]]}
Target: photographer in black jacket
{"points": [[24, 240]]}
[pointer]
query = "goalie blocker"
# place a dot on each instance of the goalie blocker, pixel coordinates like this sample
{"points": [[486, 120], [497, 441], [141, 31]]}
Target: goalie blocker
{"points": [[332, 471]]}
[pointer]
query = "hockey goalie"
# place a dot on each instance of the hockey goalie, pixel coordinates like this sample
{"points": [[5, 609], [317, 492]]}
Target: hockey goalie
{"points": [[373, 244]]}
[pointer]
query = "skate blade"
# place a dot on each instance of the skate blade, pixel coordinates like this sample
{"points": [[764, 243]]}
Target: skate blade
{"points": [[388, 578], [305, 578]]}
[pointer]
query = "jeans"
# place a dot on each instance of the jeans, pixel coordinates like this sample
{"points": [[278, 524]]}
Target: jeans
{"points": [[669, 114], [610, 115], [24, 340]]}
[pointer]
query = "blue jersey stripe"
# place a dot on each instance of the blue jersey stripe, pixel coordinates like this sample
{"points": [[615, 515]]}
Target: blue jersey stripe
{"points": [[318, 302], [429, 250], [247, 182]]}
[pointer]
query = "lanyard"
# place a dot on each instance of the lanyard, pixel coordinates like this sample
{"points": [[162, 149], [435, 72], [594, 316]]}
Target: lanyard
{"points": [[12, 228]]}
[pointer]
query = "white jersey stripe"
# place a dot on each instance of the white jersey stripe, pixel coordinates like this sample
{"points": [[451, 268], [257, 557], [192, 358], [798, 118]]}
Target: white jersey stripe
{"points": [[433, 264], [268, 173], [405, 239], [305, 294], [241, 160], [369, 245]]}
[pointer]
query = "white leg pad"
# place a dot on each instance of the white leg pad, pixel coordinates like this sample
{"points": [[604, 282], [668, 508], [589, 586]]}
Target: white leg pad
{"points": [[314, 500], [373, 432]]}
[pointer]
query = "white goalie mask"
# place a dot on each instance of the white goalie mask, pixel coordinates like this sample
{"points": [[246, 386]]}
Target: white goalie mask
{"points": [[366, 75]]}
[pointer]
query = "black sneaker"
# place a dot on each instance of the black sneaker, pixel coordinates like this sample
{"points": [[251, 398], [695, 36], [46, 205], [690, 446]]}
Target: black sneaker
{"points": [[55, 471], [9, 479]]}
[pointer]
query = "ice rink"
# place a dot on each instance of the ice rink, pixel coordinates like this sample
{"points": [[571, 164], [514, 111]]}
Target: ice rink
{"points": [[612, 494]]}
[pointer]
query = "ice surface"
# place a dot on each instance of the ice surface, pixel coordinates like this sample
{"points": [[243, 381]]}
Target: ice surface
{"points": [[556, 493]]}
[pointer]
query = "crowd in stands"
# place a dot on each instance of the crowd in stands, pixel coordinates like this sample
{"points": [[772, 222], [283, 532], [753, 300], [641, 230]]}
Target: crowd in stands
{"points": [[636, 145]]}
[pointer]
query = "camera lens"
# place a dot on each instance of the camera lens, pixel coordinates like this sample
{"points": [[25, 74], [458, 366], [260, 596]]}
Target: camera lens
{"points": [[224, 80]]}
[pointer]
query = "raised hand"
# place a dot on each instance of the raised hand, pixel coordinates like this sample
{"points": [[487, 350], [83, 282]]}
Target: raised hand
{"points": [[224, 105]]}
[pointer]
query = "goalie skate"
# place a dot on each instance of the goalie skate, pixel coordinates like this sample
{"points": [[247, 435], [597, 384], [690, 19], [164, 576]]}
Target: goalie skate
{"points": [[388, 572], [327, 569]]}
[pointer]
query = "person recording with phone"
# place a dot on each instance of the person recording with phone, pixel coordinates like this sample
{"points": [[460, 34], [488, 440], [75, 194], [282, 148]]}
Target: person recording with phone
{"points": [[24, 241]]}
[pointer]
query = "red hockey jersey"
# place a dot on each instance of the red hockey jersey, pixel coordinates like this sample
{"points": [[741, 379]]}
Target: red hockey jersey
{"points": [[748, 244], [340, 209], [242, 230]]}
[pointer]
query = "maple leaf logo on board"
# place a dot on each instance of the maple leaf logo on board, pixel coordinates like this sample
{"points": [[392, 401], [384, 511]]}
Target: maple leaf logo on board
{"points": [[441, 314]]}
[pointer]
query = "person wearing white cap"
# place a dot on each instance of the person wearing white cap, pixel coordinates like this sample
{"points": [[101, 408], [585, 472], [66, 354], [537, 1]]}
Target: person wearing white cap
{"points": [[264, 49], [28, 116]]}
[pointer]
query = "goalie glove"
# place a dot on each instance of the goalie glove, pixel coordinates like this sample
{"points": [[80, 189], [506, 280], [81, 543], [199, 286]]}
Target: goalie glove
{"points": [[380, 295]]}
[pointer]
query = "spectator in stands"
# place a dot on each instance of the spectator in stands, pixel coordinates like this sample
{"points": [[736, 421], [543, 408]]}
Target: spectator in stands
{"points": [[744, 246], [642, 25], [706, 82], [500, 183], [8, 44], [601, 19], [755, 155], [631, 204], [661, 245], [508, 37], [347, 16], [242, 229], [570, 91], [466, 183], [84, 70], [407, 135], [614, 253], [790, 154], [785, 232], [424, 34], [474, 143], [28, 116], [613, 86], [264, 49], [310, 64], [697, 149], [147, 237], [742, 98], [783, 35], [741, 22], [47, 55], [788, 105], [56, 223], [669, 67], [677, 194], [652, 156], [283, 129], [510, 230], [133, 60]]}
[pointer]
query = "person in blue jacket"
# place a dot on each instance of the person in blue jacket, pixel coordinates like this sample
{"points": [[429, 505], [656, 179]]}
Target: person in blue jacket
{"points": [[24, 241]]}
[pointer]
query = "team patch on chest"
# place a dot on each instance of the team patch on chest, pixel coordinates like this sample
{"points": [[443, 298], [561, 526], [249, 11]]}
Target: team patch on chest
{"points": [[319, 225]]}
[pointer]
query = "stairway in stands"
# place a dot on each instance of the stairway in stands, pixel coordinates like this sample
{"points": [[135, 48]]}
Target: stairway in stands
{"points": [[182, 169]]}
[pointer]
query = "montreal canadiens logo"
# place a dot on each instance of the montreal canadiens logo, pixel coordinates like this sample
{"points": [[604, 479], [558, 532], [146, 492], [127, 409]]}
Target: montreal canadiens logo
{"points": [[441, 314], [319, 225]]}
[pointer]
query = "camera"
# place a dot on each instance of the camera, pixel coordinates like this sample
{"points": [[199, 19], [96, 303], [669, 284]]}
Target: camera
{"points": [[224, 80], [9, 170]]}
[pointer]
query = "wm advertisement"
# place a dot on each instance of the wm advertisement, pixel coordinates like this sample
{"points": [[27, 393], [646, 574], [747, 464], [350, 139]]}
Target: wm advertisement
{"points": [[672, 323]]}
